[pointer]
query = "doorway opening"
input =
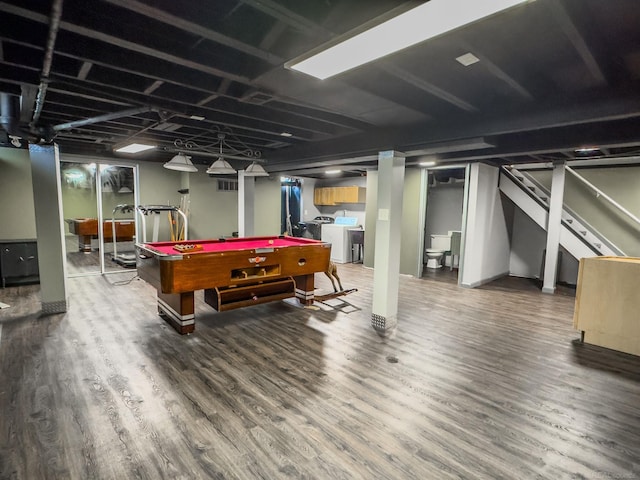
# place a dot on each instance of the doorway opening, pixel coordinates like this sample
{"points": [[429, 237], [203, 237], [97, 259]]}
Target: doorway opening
{"points": [[291, 201], [443, 223]]}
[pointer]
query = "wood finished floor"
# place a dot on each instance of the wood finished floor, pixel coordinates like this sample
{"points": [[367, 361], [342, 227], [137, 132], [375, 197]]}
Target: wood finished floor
{"points": [[489, 383]]}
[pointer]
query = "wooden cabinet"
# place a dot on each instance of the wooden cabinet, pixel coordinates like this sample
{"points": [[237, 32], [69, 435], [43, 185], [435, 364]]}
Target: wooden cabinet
{"points": [[607, 303], [338, 195], [18, 261]]}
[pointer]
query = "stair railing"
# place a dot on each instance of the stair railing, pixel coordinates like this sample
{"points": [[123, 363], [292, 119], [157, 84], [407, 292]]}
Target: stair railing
{"points": [[600, 193], [577, 229]]}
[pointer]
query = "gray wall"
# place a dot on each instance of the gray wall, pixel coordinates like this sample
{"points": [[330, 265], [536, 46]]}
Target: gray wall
{"points": [[411, 241], [268, 204], [309, 209], [620, 183], [528, 242], [213, 213], [444, 208], [17, 215]]}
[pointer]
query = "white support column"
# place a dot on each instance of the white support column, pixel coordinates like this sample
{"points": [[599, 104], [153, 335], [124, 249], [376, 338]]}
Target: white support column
{"points": [[47, 199], [386, 273], [553, 227], [246, 204]]}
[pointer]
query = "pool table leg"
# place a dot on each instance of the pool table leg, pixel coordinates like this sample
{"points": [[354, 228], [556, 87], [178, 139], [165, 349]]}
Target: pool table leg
{"points": [[84, 243], [179, 310], [304, 289]]}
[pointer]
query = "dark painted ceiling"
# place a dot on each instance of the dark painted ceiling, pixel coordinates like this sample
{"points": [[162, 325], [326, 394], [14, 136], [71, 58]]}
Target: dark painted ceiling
{"points": [[553, 75]]}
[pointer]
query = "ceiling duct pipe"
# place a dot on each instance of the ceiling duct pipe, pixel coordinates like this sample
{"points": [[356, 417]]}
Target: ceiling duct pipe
{"points": [[10, 117], [54, 26]]}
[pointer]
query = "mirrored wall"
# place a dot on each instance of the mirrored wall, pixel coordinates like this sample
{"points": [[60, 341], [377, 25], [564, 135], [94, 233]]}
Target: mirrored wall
{"points": [[98, 202]]}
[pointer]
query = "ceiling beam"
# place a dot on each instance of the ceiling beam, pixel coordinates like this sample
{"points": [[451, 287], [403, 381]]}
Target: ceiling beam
{"points": [[102, 118], [84, 70], [425, 86], [124, 44], [285, 15], [497, 72], [153, 87], [552, 114], [195, 29], [560, 15]]}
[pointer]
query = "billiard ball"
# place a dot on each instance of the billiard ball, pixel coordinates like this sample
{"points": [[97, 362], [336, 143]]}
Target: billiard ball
{"points": [[270, 242]]}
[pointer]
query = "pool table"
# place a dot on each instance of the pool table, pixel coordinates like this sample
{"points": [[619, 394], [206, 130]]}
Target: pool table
{"points": [[87, 228], [233, 272]]}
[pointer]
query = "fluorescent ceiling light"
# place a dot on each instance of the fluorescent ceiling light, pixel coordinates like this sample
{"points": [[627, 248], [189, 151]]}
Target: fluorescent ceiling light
{"points": [[286, 134], [587, 149], [332, 172], [427, 164], [196, 117], [134, 148], [414, 26]]}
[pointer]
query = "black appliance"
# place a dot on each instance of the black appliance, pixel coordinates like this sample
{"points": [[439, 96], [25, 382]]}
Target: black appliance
{"points": [[313, 228]]}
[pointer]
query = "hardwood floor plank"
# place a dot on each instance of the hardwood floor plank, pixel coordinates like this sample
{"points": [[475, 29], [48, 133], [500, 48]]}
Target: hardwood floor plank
{"points": [[476, 383]]}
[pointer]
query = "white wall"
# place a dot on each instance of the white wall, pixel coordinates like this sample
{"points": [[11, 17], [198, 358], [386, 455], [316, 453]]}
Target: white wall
{"points": [[17, 215], [487, 248]]}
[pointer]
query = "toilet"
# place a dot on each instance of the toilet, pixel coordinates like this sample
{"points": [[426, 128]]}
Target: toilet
{"points": [[439, 245]]}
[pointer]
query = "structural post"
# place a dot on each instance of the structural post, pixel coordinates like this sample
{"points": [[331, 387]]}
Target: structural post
{"points": [[553, 227], [386, 273], [246, 205], [47, 199]]}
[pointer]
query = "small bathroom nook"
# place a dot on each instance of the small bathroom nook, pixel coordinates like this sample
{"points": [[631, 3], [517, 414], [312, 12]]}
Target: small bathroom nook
{"points": [[443, 220], [444, 250]]}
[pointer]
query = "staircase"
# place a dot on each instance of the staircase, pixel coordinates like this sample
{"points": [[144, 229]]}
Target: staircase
{"points": [[576, 236]]}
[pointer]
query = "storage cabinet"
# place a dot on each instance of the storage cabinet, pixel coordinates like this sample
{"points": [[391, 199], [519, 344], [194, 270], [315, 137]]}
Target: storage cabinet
{"points": [[337, 195], [18, 261], [607, 303]]}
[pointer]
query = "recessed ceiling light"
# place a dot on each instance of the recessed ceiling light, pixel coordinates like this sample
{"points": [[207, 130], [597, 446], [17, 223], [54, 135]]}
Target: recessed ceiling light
{"points": [[134, 148], [467, 59], [332, 172], [196, 117], [421, 23], [286, 134]]}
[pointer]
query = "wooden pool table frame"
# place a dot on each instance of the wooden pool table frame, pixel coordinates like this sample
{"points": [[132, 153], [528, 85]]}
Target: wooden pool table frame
{"points": [[87, 228], [230, 278]]}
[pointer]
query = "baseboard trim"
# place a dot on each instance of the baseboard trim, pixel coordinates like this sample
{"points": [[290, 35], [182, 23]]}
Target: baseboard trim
{"points": [[484, 281]]}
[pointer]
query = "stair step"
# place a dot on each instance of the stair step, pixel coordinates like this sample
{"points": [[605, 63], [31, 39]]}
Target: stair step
{"points": [[597, 245], [520, 179], [544, 199], [583, 232], [532, 188], [569, 221]]}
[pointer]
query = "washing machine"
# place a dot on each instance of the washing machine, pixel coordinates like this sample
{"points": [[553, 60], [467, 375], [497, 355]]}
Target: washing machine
{"points": [[337, 234]]}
